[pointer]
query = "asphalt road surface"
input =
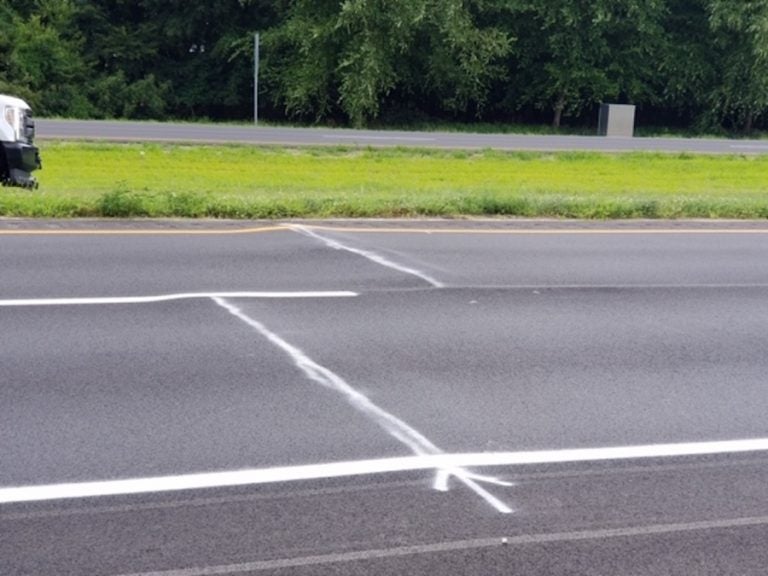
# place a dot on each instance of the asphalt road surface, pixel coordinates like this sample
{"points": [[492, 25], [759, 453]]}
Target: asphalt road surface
{"points": [[419, 398], [223, 134]]}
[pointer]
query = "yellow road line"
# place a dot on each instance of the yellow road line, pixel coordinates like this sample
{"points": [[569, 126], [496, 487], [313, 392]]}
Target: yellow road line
{"points": [[542, 231], [375, 230], [140, 232]]}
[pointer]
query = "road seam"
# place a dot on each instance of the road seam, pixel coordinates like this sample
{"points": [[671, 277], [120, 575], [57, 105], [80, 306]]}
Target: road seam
{"points": [[461, 545]]}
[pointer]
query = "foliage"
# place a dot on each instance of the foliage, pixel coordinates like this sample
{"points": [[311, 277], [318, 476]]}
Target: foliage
{"points": [[347, 58], [699, 64], [576, 53], [44, 56], [741, 34]]}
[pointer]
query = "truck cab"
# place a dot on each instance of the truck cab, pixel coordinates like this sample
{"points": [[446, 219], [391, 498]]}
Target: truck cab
{"points": [[18, 155]]}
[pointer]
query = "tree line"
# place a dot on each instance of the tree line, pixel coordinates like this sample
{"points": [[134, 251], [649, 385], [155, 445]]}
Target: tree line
{"points": [[691, 64]]}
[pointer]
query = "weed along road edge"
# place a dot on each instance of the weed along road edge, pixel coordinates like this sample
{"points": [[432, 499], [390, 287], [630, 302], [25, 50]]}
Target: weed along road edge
{"points": [[90, 179], [189, 399]]}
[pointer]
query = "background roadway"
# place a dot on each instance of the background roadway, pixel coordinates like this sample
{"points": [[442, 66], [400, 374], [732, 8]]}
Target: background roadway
{"points": [[227, 134]]}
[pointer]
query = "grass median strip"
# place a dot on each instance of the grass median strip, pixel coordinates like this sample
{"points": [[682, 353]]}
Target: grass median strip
{"points": [[135, 180]]}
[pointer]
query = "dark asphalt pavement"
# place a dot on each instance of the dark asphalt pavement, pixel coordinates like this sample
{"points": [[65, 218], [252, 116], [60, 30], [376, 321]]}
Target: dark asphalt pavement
{"points": [[536, 338], [223, 133]]}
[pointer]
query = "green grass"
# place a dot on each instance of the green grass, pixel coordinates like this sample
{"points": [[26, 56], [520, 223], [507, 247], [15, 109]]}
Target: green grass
{"points": [[87, 179]]}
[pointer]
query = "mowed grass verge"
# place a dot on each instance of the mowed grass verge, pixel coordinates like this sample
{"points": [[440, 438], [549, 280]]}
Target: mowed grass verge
{"points": [[142, 180]]}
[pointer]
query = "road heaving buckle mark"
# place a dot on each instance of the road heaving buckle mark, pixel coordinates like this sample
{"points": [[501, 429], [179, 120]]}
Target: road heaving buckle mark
{"points": [[394, 426], [373, 256], [427, 456]]}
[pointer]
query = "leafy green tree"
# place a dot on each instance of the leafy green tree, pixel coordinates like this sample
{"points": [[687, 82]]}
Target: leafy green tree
{"points": [[197, 53], [571, 54], [330, 57], [9, 83], [741, 37], [43, 57], [160, 58], [687, 65], [459, 57], [683, 62]]}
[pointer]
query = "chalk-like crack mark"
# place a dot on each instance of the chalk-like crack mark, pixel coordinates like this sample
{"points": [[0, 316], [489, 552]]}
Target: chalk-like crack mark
{"points": [[373, 256], [394, 426]]}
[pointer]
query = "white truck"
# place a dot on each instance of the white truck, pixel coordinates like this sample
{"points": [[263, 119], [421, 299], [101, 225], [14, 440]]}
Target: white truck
{"points": [[18, 155]]}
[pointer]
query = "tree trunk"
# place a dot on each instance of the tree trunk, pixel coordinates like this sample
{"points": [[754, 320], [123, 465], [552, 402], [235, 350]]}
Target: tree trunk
{"points": [[559, 107], [749, 122]]}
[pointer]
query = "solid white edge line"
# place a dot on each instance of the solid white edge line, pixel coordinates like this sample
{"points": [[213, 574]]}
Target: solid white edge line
{"points": [[368, 467], [167, 298]]}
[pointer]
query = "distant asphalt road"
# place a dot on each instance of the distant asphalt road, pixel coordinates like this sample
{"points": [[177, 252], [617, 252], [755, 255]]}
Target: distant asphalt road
{"points": [[459, 398], [224, 133]]}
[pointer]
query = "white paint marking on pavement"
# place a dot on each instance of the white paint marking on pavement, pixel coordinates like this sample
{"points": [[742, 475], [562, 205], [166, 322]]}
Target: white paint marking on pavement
{"points": [[367, 254], [381, 138], [437, 462], [459, 545], [168, 297], [749, 146], [412, 438]]}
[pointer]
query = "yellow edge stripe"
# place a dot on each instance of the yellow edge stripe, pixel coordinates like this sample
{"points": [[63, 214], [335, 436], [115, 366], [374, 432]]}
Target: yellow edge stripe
{"points": [[141, 232], [543, 231], [374, 230]]}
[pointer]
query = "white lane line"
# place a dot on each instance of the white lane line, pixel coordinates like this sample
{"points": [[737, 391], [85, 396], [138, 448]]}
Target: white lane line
{"points": [[167, 297], [749, 146], [459, 545], [373, 256], [197, 501], [394, 426], [218, 479], [381, 138], [437, 462]]}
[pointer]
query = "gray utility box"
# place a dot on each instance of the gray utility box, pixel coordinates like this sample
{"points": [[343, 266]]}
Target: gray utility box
{"points": [[616, 120]]}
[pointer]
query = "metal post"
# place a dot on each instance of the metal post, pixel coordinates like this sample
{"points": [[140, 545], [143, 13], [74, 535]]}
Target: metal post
{"points": [[256, 78]]}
